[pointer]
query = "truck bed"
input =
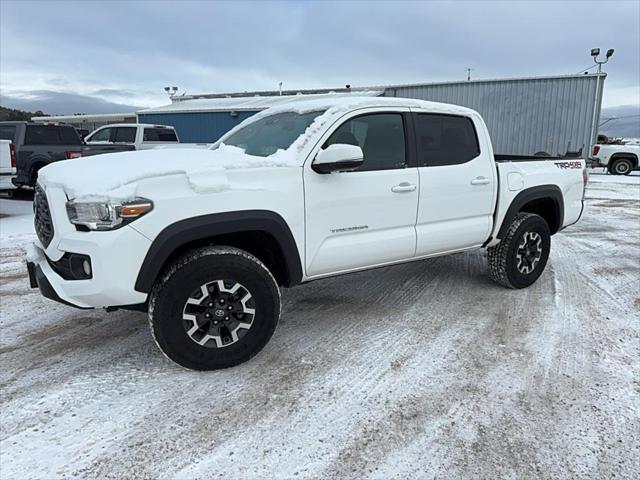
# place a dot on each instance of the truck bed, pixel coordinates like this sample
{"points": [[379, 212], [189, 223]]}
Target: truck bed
{"points": [[519, 177]]}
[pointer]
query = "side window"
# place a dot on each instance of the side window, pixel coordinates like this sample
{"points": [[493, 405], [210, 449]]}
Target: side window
{"points": [[42, 135], [445, 139], [69, 136], [379, 135], [103, 135], [125, 135], [159, 135]]}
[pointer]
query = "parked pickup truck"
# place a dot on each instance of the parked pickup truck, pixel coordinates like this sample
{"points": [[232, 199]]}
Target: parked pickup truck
{"points": [[39, 144], [203, 239], [140, 136], [7, 167], [619, 159]]}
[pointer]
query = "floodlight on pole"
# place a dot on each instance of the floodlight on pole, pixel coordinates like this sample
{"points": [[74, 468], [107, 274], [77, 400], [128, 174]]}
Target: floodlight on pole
{"points": [[595, 53], [171, 91]]}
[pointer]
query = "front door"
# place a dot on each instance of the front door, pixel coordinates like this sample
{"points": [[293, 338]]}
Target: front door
{"points": [[364, 217]]}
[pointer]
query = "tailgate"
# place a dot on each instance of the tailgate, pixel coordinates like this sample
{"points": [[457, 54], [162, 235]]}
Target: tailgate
{"points": [[5, 158]]}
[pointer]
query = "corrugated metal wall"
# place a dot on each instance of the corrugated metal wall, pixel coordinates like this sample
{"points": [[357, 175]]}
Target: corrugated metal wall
{"points": [[526, 116], [196, 127]]}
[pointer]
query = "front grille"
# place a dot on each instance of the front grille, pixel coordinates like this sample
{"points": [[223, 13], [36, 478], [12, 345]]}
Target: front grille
{"points": [[42, 217]]}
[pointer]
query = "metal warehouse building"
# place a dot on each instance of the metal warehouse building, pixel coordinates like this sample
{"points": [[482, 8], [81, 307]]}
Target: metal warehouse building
{"points": [[538, 115], [545, 115], [525, 116]]}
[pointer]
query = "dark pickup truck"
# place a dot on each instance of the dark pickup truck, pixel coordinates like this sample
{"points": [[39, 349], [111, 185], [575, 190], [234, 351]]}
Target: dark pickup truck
{"points": [[39, 144]]}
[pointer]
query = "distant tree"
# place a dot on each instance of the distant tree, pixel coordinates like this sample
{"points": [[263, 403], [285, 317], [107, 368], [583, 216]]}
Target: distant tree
{"points": [[11, 114]]}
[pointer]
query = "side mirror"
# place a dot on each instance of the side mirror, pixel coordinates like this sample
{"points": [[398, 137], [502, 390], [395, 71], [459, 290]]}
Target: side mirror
{"points": [[338, 157]]}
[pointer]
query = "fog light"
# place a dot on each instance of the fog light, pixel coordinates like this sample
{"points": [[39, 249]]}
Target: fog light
{"points": [[86, 267]]}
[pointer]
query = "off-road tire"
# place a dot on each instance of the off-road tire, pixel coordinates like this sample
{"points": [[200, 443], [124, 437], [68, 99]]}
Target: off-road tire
{"points": [[621, 166], [503, 261], [188, 273]]}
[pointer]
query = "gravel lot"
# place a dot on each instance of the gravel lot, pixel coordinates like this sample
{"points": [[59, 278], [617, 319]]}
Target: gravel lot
{"points": [[425, 370]]}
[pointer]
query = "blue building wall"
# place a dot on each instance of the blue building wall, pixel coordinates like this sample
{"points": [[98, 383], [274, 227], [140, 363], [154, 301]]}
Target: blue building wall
{"points": [[196, 127]]}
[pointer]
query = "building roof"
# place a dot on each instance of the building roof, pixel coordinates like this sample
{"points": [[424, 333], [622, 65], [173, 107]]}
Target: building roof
{"points": [[253, 104], [97, 117]]}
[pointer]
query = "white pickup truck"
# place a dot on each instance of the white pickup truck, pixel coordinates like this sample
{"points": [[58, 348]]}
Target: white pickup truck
{"points": [[142, 136], [618, 159], [7, 167], [202, 239]]}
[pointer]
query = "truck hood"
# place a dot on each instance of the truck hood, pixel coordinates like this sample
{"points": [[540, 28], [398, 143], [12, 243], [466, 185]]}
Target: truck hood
{"points": [[115, 176]]}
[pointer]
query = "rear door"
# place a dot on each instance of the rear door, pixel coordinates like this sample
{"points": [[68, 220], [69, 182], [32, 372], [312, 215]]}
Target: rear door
{"points": [[364, 217], [457, 183]]}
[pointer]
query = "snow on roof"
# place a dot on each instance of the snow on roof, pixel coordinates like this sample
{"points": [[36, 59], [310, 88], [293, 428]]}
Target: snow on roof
{"points": [[249, 103]]}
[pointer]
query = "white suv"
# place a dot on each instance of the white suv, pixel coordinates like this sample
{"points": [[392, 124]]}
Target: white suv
{"points": [[202, 239]]}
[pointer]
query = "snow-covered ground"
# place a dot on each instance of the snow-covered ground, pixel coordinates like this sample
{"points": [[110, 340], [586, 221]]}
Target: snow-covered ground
{"points": [[426, 370]]}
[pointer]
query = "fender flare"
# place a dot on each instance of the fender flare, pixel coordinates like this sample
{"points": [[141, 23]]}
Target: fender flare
{"points": [[528, 195], [202, 227]]}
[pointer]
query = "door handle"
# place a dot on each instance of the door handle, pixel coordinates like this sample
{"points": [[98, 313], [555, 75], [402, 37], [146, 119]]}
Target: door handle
{"points": [[480, 181], [403, 187]]}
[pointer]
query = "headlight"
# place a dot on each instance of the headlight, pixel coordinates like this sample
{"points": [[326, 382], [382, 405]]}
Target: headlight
{"points": [[107, 215]]}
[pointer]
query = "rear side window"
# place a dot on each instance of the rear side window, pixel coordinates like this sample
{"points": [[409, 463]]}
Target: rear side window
{"points": [[379, 135], [445, 140], [8, 132], [159, 135], [51, 135], [69, 136], [125, 135]]}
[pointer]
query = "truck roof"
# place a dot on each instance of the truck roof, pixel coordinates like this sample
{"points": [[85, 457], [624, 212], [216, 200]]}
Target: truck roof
{"points": [[349, 103], [150, 125]]}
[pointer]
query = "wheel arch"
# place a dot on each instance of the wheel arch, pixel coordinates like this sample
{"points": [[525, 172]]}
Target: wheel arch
{"points": [[263, 233], [36, 162], [543, 200]]}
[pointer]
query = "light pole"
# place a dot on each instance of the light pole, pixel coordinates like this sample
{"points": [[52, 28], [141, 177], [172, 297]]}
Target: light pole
{"points": [[595, 52]]}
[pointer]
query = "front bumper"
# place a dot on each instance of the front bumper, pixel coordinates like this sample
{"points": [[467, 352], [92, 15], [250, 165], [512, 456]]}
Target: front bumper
{"points": [[37, 279], [115, 256]]}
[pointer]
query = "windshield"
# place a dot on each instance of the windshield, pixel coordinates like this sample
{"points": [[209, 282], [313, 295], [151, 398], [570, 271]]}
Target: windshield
{"points": [[269, 134]]}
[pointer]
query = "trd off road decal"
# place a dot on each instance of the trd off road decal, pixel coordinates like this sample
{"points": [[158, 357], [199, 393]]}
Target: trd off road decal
{"points": [[565, 165], [349, 229]]}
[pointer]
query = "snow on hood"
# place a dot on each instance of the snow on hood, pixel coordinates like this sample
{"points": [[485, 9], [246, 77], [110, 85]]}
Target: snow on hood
{"points": [[114, 176]]}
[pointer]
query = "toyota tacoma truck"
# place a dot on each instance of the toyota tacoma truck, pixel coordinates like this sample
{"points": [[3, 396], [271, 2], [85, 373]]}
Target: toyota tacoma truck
{"points": [[202, 240]]}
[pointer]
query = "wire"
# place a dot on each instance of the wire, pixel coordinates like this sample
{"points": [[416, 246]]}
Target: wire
{"points": [[587, 69]]}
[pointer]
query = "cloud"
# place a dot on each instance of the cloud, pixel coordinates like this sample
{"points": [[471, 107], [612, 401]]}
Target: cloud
{"points": [[139, 47], [58, 103]]}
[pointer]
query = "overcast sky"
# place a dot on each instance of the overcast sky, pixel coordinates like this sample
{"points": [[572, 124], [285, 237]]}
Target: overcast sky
{"points": [[60, 53]]}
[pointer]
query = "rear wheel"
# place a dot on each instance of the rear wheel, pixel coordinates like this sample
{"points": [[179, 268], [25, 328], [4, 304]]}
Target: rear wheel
{"points": [[214, 308], [621, 166], [520, 257]]}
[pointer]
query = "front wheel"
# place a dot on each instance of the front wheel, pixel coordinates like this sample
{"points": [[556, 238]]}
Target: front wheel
{"points": [[214, 308], [622, 166], [520, 257]]}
